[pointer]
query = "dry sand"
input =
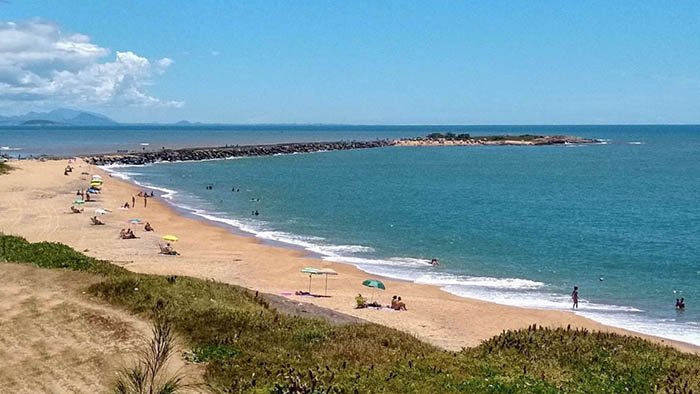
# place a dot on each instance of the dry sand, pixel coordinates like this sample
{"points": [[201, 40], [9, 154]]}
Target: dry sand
{"points": [[35, 200], [55, 339]]}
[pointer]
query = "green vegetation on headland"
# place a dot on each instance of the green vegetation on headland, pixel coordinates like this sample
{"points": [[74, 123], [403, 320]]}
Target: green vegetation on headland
{"points": [[499, 139], [249, 347]]}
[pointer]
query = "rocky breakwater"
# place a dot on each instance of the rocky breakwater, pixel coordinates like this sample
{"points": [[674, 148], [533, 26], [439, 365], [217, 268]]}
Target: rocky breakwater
{"points": [[225, 152]]}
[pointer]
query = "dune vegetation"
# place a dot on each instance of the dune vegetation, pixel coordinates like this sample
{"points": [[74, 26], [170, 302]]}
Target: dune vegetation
{"points": [[248, 347]]}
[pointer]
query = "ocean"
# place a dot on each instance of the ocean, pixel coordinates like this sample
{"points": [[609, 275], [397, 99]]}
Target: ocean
{"points": [[509, 224]]}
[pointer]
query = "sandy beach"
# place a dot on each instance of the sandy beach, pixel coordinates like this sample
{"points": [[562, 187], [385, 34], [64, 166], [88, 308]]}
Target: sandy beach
{"points": [[35, 200]]}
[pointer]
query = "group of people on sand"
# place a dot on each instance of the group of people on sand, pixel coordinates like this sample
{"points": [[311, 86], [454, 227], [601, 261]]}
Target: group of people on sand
{"points": [[396, 303], [127, 234]]}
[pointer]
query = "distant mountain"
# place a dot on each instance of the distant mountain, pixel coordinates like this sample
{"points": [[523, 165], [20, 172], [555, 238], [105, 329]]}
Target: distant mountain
{"points": [[60, 116], [38, 122]]}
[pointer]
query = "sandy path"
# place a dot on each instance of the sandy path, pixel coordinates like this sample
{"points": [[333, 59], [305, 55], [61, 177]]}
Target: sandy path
{"points": [[55, 339], [35, 199]]}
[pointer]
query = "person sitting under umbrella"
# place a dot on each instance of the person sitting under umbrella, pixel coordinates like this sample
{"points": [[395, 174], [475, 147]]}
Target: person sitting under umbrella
{"points": [[167, 249], [361, 301]]}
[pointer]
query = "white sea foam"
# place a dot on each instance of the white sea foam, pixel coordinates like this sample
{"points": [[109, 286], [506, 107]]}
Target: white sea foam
{"points": [[9, 148], [636, 143], [479, 281], [688, 332]]}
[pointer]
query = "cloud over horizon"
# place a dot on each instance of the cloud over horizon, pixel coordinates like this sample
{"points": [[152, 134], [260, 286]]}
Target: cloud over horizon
{"points": [[40, 64]]}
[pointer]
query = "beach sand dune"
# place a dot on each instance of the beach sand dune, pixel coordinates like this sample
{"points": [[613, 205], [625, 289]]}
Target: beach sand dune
{"points": [[35, 200], [54, 339]]}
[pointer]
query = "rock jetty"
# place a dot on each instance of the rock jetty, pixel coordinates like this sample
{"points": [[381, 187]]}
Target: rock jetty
{"points": [[225, 152]]}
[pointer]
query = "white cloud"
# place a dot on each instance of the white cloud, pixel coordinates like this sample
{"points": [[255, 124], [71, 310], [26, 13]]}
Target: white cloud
{"points": [[40, 63]]}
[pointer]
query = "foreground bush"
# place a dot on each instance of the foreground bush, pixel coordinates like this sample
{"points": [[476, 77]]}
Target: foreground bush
{"points": [[248, 347]]}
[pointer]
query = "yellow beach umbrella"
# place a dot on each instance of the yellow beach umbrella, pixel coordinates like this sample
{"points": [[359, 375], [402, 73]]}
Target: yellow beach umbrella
{"points": [[170, 238]]}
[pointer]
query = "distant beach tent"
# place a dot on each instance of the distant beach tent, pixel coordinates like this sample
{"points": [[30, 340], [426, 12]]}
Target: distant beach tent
{"points": [[327, 271], [170, 238], [311, 271], [374, 284]]}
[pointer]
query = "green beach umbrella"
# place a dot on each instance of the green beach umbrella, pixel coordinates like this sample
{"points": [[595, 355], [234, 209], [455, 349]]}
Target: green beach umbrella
{"points": [[79, 201], [311, 271], [377, 284], [374, 284]]}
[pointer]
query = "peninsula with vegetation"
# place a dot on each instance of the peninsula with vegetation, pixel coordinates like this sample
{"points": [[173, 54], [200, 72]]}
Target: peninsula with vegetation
{"points": [[437, 139]]}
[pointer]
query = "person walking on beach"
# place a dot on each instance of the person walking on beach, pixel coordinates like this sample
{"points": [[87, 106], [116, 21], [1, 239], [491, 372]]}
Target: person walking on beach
{"points": [[133, 201], [574, 297]]}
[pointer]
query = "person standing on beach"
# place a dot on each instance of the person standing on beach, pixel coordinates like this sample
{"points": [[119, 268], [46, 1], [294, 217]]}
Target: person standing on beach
{"points": [[574, 297], [133, 201], [145, 200]]}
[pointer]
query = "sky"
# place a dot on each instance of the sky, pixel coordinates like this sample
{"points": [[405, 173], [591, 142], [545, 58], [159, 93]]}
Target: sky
{"points": [[355, 62]]}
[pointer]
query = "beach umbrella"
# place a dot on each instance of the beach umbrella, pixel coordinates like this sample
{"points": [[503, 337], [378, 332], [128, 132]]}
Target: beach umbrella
{"points": [[135, 221], [377, 284], [170, 238], [79, 201], [94, 177], [311, 271], [101, 211], [374, 284], [327, 271]]}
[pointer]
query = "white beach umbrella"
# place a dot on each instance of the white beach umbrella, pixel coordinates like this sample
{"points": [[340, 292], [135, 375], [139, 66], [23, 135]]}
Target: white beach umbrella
{"points": [[327, 271]]}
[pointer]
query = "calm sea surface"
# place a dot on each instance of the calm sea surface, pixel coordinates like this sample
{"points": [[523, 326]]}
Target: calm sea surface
{"points": [[513, 225]]}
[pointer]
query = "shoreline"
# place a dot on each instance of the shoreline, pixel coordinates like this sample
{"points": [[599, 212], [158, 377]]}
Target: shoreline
{"points": [[434, 315]]}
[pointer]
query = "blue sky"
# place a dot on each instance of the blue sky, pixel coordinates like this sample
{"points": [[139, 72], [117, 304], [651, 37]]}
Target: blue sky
{"points": [[359, 62]]}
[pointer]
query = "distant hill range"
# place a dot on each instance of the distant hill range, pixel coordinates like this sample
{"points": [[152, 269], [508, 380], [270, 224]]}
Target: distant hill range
{"points": [[61, 116]]}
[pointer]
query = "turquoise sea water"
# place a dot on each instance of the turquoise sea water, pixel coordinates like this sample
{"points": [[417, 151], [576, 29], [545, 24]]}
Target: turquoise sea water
{"points": [[513, 225]]}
